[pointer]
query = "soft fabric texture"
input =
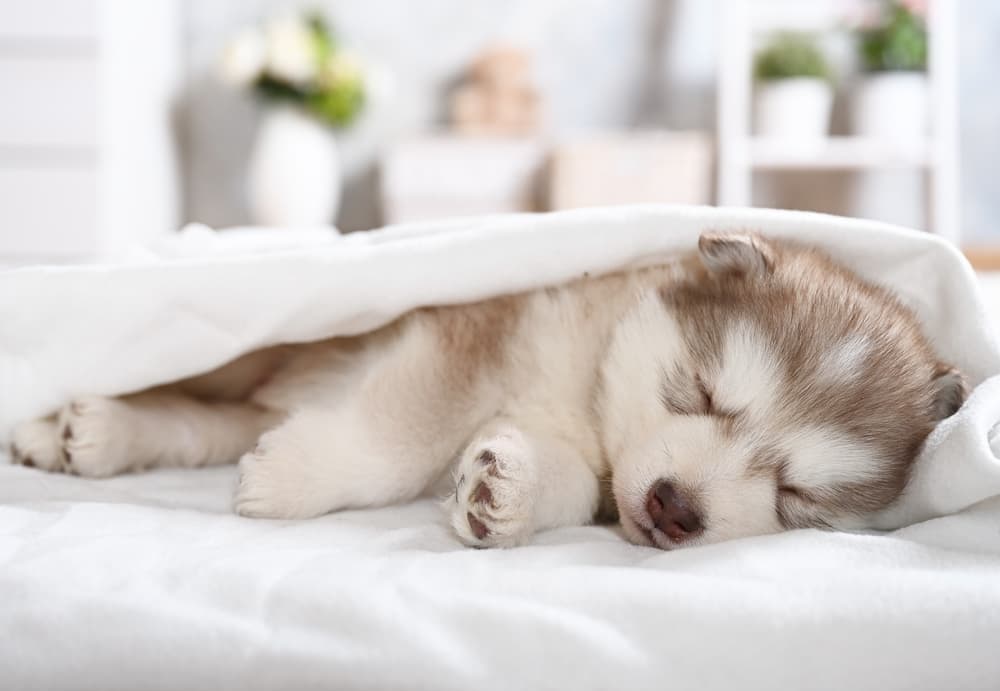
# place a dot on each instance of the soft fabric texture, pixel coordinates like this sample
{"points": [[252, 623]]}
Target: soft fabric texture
{"points": [[147, 581]]}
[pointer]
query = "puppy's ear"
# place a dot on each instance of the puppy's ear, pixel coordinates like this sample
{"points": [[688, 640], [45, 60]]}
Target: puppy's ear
{"points": [[950, 391], [741, 253]]}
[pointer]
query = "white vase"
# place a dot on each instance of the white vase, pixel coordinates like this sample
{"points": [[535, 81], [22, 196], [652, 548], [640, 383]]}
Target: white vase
{"points": [[294, 177], [891, 105], [797, 108]]}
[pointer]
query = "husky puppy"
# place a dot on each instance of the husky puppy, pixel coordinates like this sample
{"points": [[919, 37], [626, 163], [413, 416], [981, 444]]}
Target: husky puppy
{"points": [[752, 387]]}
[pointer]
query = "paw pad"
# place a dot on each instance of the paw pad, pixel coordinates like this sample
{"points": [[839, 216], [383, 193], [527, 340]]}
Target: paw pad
{"points": [[495, 490], [479, 528], [483, 494]]}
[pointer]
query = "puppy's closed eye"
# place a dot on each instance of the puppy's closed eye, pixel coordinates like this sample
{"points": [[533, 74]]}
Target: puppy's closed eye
{"points": [[683, 394], [678, 393], [704, 393], [787, 489], [709, 406], [796, 507]]}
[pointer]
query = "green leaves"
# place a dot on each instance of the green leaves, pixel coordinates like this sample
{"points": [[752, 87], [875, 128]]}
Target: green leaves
{"points": [[337, 106], [323, 40], [900, 43], [791, 55]]}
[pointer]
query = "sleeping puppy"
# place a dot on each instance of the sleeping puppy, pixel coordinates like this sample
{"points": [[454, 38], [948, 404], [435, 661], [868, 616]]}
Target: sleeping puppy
{"points": [[751, 388]]}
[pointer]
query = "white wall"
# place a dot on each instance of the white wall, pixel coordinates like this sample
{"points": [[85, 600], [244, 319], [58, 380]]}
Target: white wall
{"points": [[979, 119]]}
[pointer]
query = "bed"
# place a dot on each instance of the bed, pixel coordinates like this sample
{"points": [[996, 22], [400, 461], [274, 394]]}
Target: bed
{"points": [[148, 581]]}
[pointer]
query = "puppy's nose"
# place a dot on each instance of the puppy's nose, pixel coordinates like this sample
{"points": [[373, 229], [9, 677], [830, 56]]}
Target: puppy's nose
{"points": [[673, 512]]}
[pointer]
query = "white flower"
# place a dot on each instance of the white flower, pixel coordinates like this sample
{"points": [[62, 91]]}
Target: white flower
{"points": [[291, 55], [341, 68], [243, 58]]}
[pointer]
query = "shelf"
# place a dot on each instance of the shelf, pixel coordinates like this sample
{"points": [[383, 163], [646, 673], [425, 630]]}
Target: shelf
{"points": [[835, 153], [740, 23]]}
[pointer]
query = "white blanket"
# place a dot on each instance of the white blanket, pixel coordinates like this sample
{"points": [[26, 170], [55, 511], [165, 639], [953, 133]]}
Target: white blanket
{"points": [[148, 582]]}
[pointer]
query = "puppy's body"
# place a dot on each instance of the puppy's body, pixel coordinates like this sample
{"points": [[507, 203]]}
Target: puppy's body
{"points": [[759, 389]]}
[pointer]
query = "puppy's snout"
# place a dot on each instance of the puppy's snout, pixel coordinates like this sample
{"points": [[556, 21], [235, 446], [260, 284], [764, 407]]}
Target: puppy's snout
{"points": [[674, 513]]}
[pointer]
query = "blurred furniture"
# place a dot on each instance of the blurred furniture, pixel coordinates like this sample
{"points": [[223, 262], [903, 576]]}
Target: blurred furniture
{"points": [[498, 96], [741, 154], [631, 168], [445, 175], [86, 165]]}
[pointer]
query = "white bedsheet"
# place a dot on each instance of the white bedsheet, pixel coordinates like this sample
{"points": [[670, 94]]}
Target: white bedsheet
{"points": [[148, 582]]}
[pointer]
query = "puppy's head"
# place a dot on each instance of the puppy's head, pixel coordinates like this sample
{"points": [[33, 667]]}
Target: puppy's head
{"points": [[769, 389]]}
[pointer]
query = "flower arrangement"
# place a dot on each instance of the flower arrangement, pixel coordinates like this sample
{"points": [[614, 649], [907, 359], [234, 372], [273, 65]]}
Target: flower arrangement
{"points": [[897, 38], [791, 55], [298, 61]]}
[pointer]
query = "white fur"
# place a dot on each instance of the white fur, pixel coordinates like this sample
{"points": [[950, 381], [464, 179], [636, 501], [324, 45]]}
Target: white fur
{"points": [[823, 457], [317, 462], [844, 361], [93, 445], [37, 444], [750, 375], [646, 344]]}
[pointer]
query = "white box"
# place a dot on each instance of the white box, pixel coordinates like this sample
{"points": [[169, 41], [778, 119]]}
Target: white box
{"points": [[444, 176], [632, 168]]}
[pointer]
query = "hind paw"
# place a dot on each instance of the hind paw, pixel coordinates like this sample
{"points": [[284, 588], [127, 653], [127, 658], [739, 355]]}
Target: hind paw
{"points": [[36, 444], [92, 433]]}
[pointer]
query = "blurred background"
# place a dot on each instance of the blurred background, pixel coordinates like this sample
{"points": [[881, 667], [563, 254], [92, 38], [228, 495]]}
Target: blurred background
{"points": [[124, 121]]}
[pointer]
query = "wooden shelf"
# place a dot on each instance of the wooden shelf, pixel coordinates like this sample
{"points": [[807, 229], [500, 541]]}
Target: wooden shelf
{"points": [[983, 258], [835, 153]]}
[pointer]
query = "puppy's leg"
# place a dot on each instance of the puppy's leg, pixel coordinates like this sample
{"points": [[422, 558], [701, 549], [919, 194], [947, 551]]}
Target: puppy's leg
{"points": [[101, 437], [384, 443], [512, 481], [320, 461]]}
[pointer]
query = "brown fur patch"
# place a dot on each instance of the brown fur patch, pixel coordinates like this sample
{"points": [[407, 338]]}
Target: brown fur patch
{"points": [[474, 338]]}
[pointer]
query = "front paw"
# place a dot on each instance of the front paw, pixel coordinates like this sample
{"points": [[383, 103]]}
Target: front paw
{"points": [[496, 488], [279, 480], [36, 444]]}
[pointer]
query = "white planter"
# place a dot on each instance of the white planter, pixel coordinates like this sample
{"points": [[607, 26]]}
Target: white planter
{"points": [[891, 105], [294, 177], [796, 108]]}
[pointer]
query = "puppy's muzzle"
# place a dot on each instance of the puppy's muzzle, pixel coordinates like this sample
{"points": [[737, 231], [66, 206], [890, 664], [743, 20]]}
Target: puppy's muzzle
{"points": [[673, 512]]}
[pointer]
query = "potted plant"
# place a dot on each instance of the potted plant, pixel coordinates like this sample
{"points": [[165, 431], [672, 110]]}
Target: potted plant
{"points": [[314, 87], [891, 98], [794, 96]]}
